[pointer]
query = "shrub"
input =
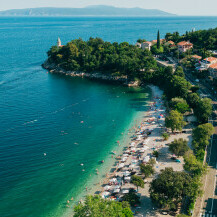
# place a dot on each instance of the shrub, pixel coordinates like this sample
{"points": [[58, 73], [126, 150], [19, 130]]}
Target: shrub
{"points": [[165, 136]]}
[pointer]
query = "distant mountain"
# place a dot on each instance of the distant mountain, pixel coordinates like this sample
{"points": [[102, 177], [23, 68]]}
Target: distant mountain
{"points": [[98, 10]]}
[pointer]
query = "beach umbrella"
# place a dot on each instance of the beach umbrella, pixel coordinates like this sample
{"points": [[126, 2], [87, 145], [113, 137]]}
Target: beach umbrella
{"points": [[128, 178], [105, 194], [113, 180], [146, 159], [126, 173], [107, 187], [134, 161], [121, 165], [124, 159], [131, 166], [117, 190], [125, 191]]}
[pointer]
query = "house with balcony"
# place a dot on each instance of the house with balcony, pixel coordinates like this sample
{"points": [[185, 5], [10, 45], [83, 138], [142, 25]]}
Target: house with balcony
{"points": [[146, 45], [184, 46]]}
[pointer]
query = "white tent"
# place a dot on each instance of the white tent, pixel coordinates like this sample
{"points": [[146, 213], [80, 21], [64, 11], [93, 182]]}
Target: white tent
{"points": [[105, 194], [124, 159], [113, 180], [121, 165], [146, 141], [107, 187], [128, 178], [134, 161], [139, 138], [131, 166], [133, 149], [146, 159], [132, 144], [126, 173], [117, 190], [126, 191], [117, 186]]}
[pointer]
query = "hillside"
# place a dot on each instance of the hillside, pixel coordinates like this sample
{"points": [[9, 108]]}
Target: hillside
{"points": [[98, 10]]}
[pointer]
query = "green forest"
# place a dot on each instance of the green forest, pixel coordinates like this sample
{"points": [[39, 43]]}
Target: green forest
{"points": [[95, 55], [202, 39]]}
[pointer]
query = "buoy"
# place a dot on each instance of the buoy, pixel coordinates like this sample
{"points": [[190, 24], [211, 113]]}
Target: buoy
{"points": [[45, 154]]}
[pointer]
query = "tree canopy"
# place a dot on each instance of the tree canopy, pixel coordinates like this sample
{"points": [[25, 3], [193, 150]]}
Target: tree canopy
{"points": [[201, 135], [170, 187], [174, 121], [138, 181], [203, 110], [147, 169], [132, 197], [105, 57], [192, 164], [179, 72], [97, 206], [179, 104], [179, 147]]}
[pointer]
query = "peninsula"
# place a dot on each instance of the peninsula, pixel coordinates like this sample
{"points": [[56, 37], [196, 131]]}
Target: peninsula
{"points": [[98, 10]]}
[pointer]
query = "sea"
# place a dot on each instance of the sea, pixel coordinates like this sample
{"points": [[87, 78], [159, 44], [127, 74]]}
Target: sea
{"points": [[54, 129]]}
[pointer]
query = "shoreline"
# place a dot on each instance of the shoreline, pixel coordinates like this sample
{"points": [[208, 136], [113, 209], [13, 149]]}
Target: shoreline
{"points": [[97, 188], [53, 68], [133, 156], [94, 184]]}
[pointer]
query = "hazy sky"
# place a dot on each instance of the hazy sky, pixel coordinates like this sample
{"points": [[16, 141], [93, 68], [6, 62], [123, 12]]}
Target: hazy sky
{"points": [[180, 7]]}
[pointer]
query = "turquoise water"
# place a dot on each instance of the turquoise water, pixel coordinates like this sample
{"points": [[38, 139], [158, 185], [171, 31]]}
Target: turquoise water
{"points": [[51, 124]]}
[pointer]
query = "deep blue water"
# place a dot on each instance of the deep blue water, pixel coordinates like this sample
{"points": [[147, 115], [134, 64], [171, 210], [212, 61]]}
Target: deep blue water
{"points": [[72, 120]]}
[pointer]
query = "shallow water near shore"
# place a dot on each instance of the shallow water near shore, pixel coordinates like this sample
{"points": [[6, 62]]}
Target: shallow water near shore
{"points": [[50, 124]]}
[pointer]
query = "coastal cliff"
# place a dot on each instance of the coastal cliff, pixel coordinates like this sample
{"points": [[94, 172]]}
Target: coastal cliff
{"points": [[54, 68]]}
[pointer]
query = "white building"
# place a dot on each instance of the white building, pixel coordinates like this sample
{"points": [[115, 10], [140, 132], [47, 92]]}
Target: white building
{"points": [[59, 44], [207, 62], [146, 45], [138, 45]]}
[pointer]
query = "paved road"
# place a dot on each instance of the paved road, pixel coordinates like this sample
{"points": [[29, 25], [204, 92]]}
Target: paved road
{"points": [[206, 206]]}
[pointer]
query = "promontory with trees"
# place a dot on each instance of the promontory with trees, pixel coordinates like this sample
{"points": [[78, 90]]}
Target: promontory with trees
{"points": [[170, 188]]}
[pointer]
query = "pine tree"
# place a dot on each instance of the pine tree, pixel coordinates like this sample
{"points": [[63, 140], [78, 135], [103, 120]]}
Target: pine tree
{"points": [[158, 40]]}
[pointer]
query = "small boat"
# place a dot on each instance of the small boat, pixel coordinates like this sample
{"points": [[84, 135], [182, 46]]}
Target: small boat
{"points": [[82, 164]]}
